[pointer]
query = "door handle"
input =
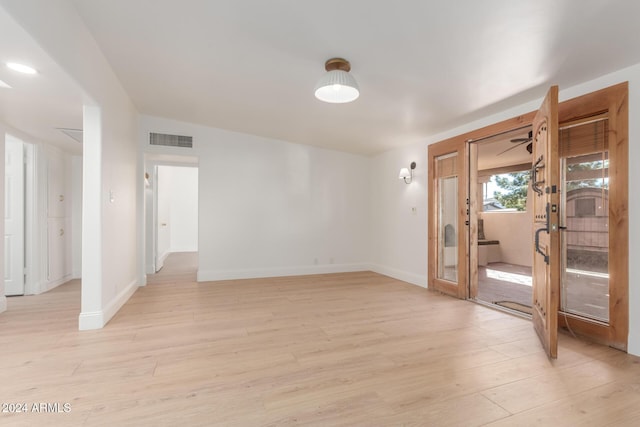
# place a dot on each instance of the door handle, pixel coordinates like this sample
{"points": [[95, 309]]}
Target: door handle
{"points": [[535, 184], [537, 237], [537, 243]]}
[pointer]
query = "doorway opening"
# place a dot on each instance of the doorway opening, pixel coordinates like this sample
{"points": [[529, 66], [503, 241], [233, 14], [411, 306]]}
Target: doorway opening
{"points": [[43, 211], [502, 267], [171, 194]]}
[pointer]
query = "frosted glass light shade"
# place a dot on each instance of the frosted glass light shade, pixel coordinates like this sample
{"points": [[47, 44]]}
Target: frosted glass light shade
{"points": [[337, 87], [404, 173]]}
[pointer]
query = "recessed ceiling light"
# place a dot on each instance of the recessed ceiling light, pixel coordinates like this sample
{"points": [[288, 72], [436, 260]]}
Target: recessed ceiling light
{"points": [[21, 68], [3, 84]]}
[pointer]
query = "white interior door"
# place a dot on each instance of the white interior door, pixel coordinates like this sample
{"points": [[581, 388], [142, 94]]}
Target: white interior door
{"points": [[163, 213], [14, 217]]}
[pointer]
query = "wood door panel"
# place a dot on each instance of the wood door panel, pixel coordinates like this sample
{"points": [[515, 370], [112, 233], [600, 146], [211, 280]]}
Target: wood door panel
{"points": [[546, 258]]}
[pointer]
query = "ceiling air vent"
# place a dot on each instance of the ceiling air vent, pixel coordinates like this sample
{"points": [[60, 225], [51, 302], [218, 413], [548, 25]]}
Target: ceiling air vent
{"points": [[171, 140], [75, 134]]}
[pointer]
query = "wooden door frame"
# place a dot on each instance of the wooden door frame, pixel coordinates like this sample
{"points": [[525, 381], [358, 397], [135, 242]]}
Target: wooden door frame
{"points": [[460, 143], [614, 100], [460, 289]]}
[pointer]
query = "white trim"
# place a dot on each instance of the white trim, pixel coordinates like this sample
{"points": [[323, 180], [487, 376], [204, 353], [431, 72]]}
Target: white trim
{"points": [[405, 276], [161, 261], [33, 218], [3, 303], [212, 275], [120, 299], [173, 249], [47, 286], [89, 321], [98, 319]]}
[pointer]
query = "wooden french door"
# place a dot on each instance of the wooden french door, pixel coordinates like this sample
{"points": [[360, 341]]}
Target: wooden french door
{"points": [[568, 157], [449, 213], [545, 183], [594, 159]]}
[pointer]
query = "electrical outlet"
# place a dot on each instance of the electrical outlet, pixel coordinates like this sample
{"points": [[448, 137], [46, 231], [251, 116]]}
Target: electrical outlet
{"points": [[414, 210]]}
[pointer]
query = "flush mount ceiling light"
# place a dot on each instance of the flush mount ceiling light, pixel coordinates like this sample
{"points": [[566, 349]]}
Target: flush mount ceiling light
{"points": [[337, 86], [21, 68]]}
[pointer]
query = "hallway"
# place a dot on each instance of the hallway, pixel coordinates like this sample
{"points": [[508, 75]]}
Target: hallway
{"points": [[179, 267]]}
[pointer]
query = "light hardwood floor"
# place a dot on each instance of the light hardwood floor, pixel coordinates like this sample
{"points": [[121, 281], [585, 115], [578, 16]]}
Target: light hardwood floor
{"points": [[179, 267], [341, 349]]}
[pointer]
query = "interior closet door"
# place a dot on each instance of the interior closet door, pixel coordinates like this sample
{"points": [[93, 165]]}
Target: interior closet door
{"points": [[545, 182], [448, 218], [14, 217]]}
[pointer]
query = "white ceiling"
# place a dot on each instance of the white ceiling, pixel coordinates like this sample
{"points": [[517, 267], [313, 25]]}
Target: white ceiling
{"points": [[37, 105], [423, 67], [498, 151]]}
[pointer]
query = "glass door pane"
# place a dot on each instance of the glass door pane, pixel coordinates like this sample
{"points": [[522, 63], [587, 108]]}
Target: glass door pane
{"points": [[585, 243], [447, 188]]}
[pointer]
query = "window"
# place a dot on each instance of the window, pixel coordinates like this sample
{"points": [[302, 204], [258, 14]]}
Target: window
{"points": [[506, 192], [586, 207]]}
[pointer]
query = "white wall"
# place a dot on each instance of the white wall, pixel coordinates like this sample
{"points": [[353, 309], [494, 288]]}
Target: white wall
{"points": [[110, 169], [184, 209], [401, 245], [272, 208], [398, 236]]}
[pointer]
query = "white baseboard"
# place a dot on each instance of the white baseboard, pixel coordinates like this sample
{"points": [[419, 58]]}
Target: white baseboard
{"points": [[97, 319], [161, 261], [3, 303], [633, 348], [47, 286], [120, 299], [414, 279], [183, 249], [212, 275], [150, 269], [91, 320]]}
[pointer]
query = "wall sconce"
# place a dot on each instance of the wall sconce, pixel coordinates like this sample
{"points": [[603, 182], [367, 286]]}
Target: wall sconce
{"points": [[407, 173]]}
